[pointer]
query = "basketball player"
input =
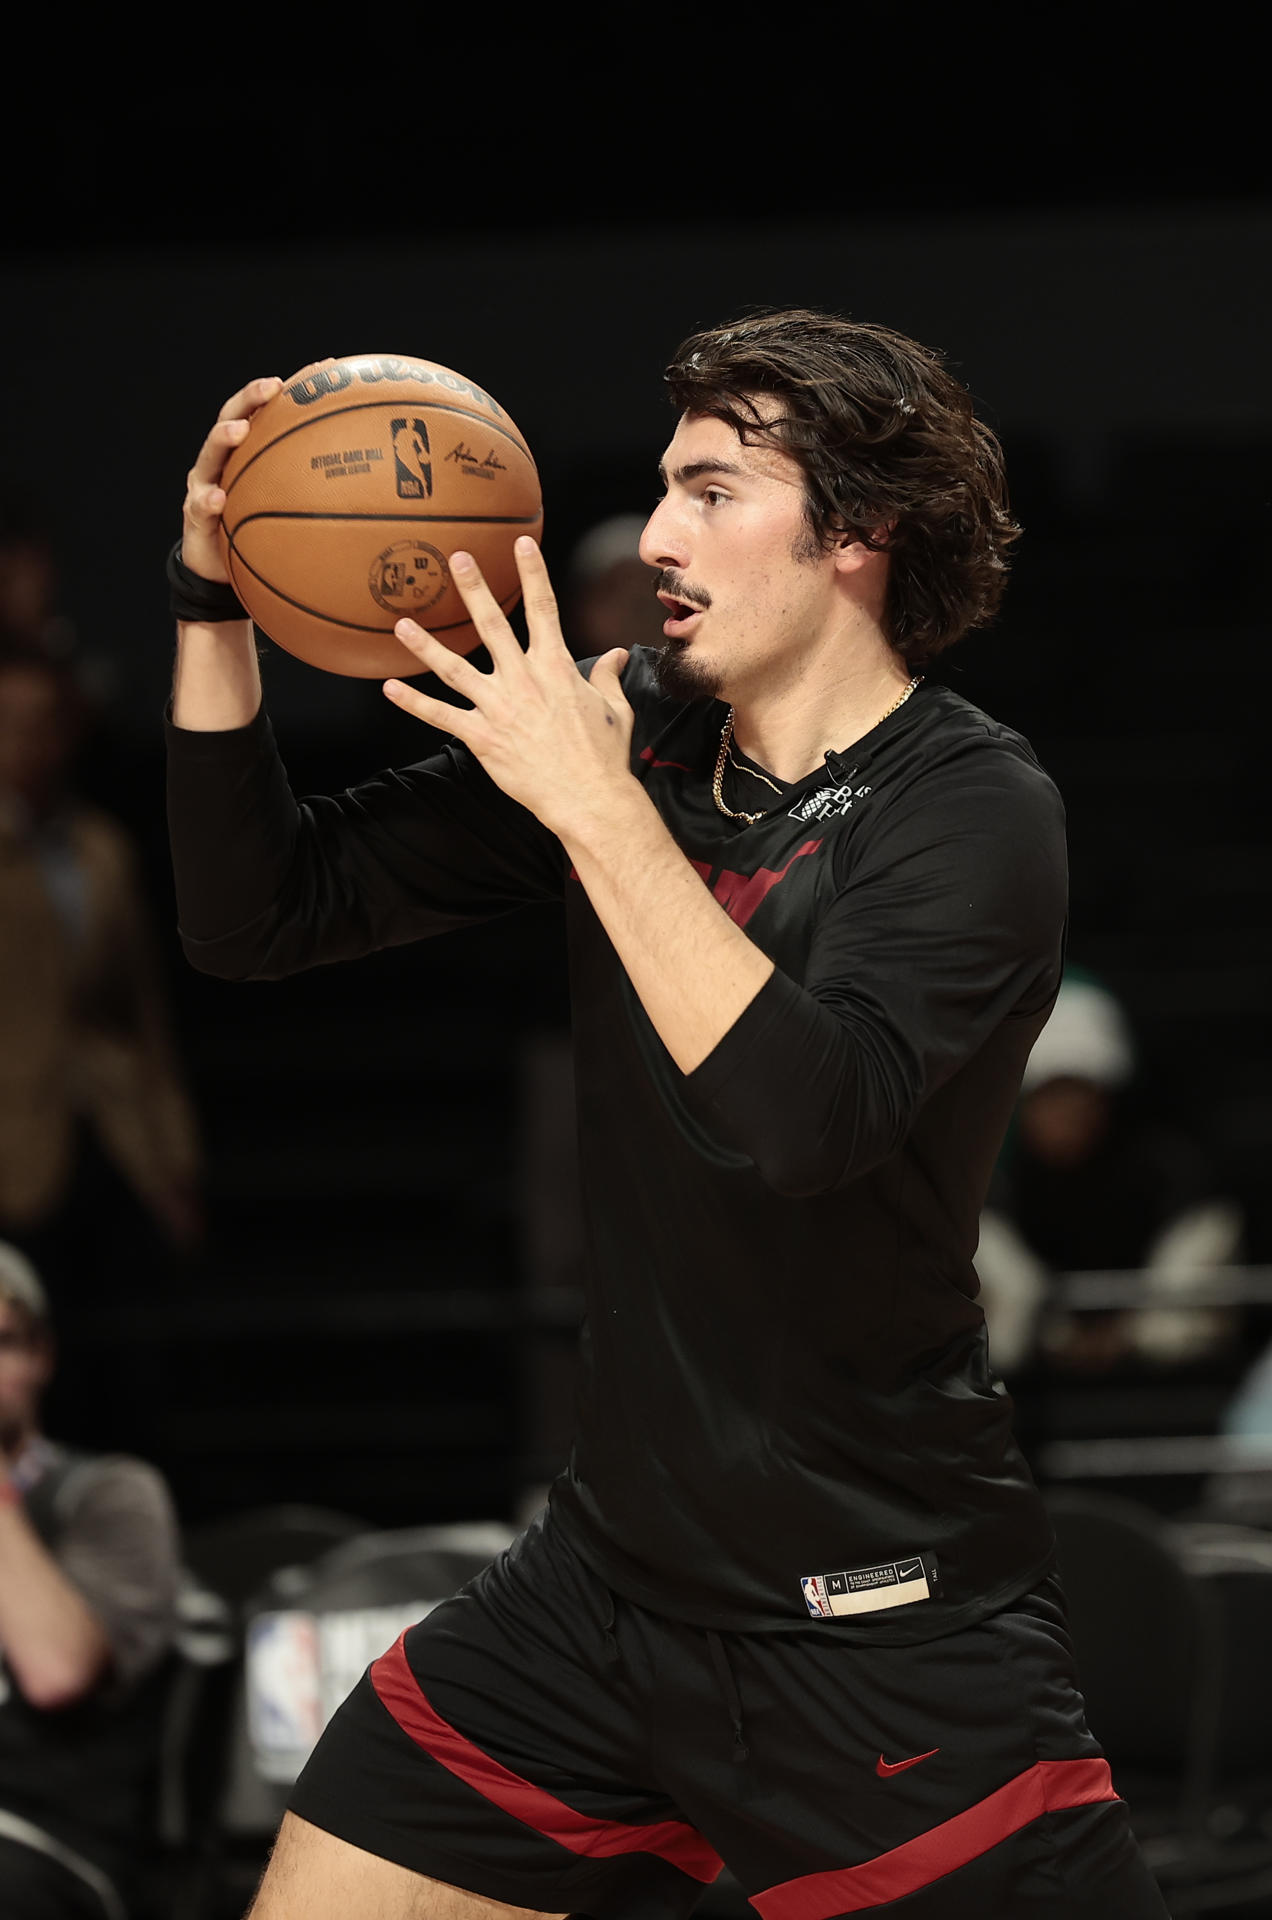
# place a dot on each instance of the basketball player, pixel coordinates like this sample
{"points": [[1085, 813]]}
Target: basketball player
{"points": [[792, 1605]]}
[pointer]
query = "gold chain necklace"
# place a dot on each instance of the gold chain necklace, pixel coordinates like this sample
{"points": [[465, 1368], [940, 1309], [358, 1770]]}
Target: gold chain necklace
{"points": [[726, 734]]}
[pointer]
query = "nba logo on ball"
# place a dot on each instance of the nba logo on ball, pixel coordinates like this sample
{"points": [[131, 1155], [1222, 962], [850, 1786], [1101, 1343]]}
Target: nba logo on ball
{"points": [[409, 577], [410, 455]]}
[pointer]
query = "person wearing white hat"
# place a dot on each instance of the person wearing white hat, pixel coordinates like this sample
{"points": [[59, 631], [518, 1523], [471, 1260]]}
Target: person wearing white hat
{"points": [[1088, 1183]]}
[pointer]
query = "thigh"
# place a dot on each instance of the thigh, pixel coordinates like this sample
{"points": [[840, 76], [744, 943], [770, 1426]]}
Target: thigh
{"points": [[314, 1876], [953, 1777], [501, 1747]]}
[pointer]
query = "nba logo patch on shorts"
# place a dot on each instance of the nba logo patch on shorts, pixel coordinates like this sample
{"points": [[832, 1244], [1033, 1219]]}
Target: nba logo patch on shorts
{"points": [[893, 1583]]}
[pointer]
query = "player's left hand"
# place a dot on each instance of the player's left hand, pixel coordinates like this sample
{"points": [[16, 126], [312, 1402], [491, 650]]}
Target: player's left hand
{"points": [[556, 742]]}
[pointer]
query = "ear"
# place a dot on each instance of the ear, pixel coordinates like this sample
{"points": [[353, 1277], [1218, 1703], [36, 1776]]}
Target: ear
{"points": [[852, 554]]}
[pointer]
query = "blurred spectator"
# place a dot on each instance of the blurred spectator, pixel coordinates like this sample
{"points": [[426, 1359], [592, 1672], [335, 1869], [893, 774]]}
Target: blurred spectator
{"points": [[1241, 1491], [610, 591], [29, 611], [88, 1585], [99, 1159], [1087, 1183]]}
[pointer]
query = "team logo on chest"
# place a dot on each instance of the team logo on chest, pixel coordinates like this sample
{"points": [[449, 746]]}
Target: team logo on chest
{"points": [[828, 802], [741, 893]]}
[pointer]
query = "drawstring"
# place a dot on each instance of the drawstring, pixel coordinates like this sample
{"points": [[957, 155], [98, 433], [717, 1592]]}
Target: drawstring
{"points": [[733, 1700], [719, 1660], [607, 1629]]}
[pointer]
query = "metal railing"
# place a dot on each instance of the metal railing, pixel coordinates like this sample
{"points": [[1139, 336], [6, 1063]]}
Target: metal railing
{"points": [[1148, 1456], [1125, 1287]]}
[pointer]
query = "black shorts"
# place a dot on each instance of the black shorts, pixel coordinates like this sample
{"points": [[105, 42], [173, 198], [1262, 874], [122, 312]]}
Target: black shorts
{"points": [[540, 1741]]}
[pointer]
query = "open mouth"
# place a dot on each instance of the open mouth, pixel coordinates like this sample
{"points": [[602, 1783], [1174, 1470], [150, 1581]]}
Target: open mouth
{"points": [[681, 615]]}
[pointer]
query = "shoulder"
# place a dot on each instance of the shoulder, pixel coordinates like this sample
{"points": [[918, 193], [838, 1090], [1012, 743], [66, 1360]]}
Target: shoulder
{"points": [[953, 727], [958, 803], [113, 1486], [955, 756]]}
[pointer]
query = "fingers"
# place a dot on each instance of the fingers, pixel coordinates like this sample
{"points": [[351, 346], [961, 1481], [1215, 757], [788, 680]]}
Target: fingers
{"points": [[486, 613], [435, 713], [232, 425], [491, 623], [605, 680], [449, 666], [606, 671], [542, 615], [205, 501], [243, 404], [489, 618], [205, 498]]}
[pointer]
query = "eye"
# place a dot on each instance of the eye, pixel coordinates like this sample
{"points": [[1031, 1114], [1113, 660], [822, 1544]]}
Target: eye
{"points": [[714, 496]]}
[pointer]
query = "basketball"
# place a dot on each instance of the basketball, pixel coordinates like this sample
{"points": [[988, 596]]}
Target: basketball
{"points": [[348, 496]]}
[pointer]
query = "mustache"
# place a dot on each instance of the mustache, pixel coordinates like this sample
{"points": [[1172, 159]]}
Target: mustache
{"points": [[671, 582]]}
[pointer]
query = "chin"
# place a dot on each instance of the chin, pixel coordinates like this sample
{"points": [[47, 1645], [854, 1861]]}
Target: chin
{"points": [[683, 678]]}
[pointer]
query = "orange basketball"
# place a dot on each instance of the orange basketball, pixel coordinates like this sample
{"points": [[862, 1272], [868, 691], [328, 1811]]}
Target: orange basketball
{"points": [[348, 496]]}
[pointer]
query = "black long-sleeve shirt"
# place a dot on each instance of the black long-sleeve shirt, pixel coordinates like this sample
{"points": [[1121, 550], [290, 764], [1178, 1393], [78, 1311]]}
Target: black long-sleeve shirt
{"points": [[787, 1411]]}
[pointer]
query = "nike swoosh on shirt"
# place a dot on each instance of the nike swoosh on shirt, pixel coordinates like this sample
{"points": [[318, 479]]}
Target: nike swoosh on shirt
{"points": [[884, 1767], [647, 755]]}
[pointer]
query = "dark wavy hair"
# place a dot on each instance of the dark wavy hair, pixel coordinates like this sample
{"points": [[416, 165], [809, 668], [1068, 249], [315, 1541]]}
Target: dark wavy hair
{"points": [[891, 451]]}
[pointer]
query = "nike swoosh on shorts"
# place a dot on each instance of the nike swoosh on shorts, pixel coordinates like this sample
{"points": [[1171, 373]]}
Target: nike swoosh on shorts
{"points": [[884, 1767]]}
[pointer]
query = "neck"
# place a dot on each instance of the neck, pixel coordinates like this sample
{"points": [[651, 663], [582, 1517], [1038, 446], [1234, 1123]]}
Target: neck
{"points": [[791, 731]]}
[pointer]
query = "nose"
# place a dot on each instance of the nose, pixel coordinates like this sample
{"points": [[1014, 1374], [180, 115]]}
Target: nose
{"points": [[662, 544]]}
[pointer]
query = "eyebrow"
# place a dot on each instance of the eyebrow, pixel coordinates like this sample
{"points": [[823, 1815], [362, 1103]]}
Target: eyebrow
{"points": [[696, 469]]}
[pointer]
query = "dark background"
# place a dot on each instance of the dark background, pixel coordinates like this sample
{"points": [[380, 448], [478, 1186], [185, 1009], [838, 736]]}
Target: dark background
{"points": [[1084, 229]]}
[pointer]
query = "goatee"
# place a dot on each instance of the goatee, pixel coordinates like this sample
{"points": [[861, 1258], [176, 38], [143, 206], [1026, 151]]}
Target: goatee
{"points": [[682, 678]]}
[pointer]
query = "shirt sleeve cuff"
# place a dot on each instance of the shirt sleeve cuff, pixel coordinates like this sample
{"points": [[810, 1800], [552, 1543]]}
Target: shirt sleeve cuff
{"points": [[221, 744], [750, 1038]]}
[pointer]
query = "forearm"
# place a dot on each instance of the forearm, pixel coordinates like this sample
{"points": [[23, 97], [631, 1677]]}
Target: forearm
{"points": [[808, 1101], [216, 682], [53, 1643], [233, 828], [694, 971]]}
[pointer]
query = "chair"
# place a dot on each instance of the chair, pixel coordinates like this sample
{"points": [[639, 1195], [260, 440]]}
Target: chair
{"points": [[1152, 1644], [1147, 1652], [341, 1610], [1234, 1563], [225, 1562], [404, 1563], [1144, 1640], [236, 1555]]}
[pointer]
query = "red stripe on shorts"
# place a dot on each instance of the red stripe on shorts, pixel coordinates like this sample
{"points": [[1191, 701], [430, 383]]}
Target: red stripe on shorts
{"points": [[1044, 1788], [672, 1840]]}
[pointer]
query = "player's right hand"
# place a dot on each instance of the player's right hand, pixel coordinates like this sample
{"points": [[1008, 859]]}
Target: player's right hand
{"points": [[205, 499]]}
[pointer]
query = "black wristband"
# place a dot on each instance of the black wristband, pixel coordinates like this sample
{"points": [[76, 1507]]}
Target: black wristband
{"points": [[191, 597]]}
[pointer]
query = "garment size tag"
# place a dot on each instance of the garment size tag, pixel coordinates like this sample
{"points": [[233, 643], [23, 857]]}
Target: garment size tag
{"points": [[894, 1583]]}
